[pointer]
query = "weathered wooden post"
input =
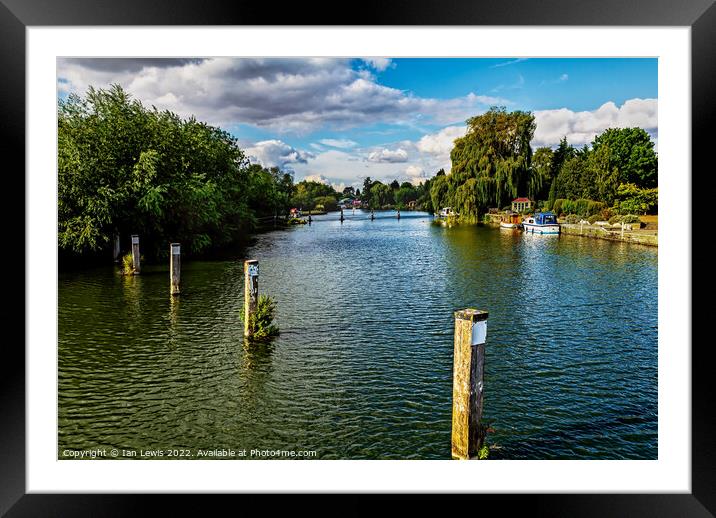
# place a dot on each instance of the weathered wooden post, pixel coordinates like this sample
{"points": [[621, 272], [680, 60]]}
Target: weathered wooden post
{"points": [[251, 292], [174, 267], [398, 213], [468, 368], [135, 254], [342, 215], [622, 230], [372, 216], [117, 249]]}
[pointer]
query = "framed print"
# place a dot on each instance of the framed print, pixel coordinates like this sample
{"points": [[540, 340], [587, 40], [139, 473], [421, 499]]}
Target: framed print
{"points": [[363, 252]]}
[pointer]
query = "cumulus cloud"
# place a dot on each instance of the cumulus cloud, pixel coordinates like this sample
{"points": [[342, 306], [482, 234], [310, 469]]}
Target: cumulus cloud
{"points": [[414, 171], [319, 178], [581, 127], [276, 153], [286, 95], [392, 156], [440, 143], [379, 64]]}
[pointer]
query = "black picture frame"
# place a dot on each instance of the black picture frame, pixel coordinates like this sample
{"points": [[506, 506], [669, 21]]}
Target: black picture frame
{"points": [[16, 15]]}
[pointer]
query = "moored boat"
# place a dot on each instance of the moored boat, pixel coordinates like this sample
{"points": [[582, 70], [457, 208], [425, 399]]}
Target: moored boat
{"points": [[447, 212], [510, 220], [541, 223]]}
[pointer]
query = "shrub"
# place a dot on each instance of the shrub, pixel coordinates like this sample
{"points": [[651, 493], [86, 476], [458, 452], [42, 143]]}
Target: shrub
{"points": [[631, 218], [615, 219], [607, 214], [261, 323], [572, 219], [633, 199], [594, 218], [557, 207]]}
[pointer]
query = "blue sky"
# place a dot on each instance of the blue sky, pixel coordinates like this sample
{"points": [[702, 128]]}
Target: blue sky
{"points": [[339, 120]]}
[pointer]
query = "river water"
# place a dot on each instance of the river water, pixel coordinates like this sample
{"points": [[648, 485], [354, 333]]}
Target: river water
{"points": [[363, 366]]}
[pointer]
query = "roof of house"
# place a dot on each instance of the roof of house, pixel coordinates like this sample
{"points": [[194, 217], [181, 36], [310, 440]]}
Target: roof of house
{"points": [[521, 199]]}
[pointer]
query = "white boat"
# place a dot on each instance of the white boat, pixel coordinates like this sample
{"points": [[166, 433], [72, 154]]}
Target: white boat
{"points": [[541, 223], [447, 212]]}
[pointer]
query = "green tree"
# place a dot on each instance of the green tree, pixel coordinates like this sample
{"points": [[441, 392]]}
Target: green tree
{"points": [[631, 150], [540, 180], [495, 153], [124, 168]]}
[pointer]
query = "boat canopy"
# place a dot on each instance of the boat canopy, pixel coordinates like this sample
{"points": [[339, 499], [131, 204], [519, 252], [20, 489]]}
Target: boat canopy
{"points": [[545, 218]]}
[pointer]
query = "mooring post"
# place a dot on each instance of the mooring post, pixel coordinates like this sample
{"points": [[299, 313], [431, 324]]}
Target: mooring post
{"points": [[372, 216], [468, 368], [174, 267], [398, 213], [135, 254], [251, 292], [622, 230], [341, 214], [117, 249]]}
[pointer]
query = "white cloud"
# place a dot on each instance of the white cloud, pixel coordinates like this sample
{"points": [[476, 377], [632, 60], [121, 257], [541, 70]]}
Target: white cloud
{"points": [[581, 127], [276, 153], [379, 64], [392, 156], [319, 178], [286, 95], [507, 63], [414, 171], [339, 143], [440, 143]]}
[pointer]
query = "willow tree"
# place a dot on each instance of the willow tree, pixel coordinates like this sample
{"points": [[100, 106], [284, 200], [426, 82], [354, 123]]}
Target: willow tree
{"points": [[491, 163]]}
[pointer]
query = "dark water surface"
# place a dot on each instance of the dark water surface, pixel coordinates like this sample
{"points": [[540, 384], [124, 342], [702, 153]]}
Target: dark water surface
{"points": [[363, 366]]}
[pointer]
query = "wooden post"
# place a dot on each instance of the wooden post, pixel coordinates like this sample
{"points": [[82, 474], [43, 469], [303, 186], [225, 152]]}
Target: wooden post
{"points": [[398, 213], [135, 254], [174, 267], [251, 292], [116, 251], [372, 216], [342, 215], [468, 367], [622, 230]]}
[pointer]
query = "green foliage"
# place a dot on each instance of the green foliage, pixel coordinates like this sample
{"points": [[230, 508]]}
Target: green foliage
{"points": [[309, 194], [261, 323], [634, 200], [484, 452], [124, 168], [632, 151], [630, 218], [326, 202], [594, 218], [581, 207], [491, 164], [540, 180], [572, 219]]}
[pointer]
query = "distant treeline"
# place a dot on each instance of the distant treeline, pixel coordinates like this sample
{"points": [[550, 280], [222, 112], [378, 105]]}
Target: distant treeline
{"points": [[494, 163], [127, 169]]}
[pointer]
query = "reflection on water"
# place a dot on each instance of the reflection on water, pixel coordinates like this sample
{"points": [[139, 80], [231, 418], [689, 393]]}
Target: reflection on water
{"points": [[363, 365]]}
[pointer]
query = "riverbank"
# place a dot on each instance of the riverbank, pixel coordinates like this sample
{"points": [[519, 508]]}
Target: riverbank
{"points": [[643, 237], [647, 236]]}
